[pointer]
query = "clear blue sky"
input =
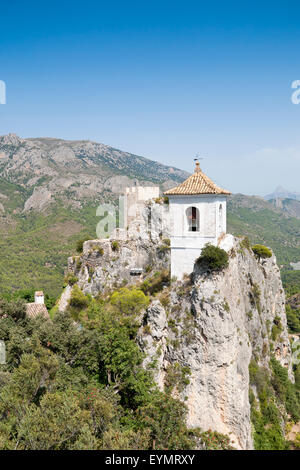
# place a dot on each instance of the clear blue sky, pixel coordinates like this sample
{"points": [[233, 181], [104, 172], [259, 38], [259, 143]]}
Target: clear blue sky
{"points": [[164, 80]]}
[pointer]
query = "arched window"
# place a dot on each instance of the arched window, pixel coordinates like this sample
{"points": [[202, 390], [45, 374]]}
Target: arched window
{"points": [[220, 218], [193, 219]]}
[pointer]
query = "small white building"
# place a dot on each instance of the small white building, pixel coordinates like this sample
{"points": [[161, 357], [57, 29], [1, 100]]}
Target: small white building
{"points": [[197, 216], [39, 297], [37, 307]]}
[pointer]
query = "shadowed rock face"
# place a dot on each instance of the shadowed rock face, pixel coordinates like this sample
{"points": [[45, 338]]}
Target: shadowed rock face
{"points": [[76, 170]]}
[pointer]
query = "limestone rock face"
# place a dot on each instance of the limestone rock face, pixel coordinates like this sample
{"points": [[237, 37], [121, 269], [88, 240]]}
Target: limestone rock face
{"points": [[39, 199], [213, 326], [205, 328], [108, 264], [156, 316]]}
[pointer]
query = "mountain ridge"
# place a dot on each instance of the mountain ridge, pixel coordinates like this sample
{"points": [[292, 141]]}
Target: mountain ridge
{"points": [[76, 171]]}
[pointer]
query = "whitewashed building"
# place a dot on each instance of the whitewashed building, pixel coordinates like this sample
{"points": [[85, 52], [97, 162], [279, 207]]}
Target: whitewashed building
{"points": [[37, 307], [197, 216]]}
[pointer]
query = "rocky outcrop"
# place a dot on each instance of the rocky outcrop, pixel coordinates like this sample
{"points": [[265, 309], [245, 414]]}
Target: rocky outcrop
{"points": [[200, 334], [126, 258], [108, 264], [212, 327], [40, 199]]}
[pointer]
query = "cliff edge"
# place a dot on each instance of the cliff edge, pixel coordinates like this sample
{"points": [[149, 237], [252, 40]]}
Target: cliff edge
{"points": [[204, 333], [201, 333]]}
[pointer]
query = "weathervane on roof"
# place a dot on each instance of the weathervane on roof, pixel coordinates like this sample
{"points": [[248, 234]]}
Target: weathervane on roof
{"points": [[196, 159]]}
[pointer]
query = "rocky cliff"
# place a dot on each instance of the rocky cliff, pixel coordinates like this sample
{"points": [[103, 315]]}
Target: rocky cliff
{"points": [[200, 334], [105, 264], [115, 262], [208, 330]]}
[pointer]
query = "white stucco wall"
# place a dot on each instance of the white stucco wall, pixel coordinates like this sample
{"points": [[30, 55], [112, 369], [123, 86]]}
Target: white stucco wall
{"points": [[38, 298], [186, 246]]}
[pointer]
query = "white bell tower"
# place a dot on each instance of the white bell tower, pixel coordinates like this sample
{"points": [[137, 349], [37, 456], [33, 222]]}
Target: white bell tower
{"points": [[197, 216]]}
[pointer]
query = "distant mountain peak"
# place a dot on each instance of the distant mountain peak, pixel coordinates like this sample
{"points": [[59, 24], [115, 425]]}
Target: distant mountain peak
{"points": [[280, 189], [10, 139], [282, 193]]}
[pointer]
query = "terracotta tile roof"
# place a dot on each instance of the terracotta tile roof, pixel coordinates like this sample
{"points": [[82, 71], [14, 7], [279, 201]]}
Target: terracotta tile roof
{"points": [[197, 183], [33, 309]]}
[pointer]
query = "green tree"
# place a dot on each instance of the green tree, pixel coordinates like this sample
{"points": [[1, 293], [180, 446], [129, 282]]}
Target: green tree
{"points": [[165, 417], [56, 424], [213, 258], [83, 386], [78, 300], [261, 251], [79, 244], [129, 301]]}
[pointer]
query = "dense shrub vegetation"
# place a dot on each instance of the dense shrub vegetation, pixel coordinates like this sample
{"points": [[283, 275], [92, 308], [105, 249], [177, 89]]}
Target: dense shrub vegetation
{"points": [[213, 258], [265, 226], [70, 280], [156, 282], [79, 244], [78, 300], [261, 251], [115, 245], [277, 400], [291, 284], [293, 319], [81, 385], [215, 441]]}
